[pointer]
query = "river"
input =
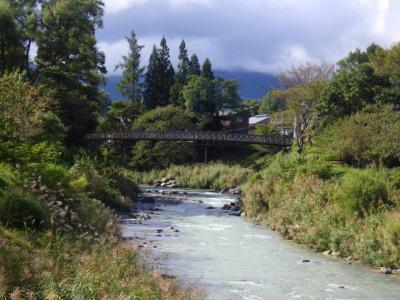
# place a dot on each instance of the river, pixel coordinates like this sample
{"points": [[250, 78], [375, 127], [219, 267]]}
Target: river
{"points": [[230, 258]]}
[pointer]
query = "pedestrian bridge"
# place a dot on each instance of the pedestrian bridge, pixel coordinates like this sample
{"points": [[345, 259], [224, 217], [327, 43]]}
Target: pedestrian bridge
{"points": [[208, 137]]}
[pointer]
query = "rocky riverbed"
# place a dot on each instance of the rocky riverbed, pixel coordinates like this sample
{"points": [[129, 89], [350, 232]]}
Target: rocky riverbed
{"points": [[197, 237]]}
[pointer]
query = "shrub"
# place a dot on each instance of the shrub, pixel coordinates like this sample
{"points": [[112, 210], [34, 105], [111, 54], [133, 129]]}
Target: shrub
{"points": [[367, 137], [361, 192], [52, 174], [321, 170], [79, 185], [18, 209], [99, 184], [8, 177]]}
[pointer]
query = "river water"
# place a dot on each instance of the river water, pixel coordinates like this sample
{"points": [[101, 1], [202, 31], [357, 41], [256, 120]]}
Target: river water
{"points": [[230, 258]]}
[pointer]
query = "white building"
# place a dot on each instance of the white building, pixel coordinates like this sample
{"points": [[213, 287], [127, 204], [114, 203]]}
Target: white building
{"points": [[258, 119]]}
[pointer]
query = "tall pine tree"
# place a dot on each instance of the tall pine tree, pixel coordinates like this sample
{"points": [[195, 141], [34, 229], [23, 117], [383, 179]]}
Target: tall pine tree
{"points": [[184, 64], [159, 77], [207, 70], [194, 66], [69, 61], [182, 74], [130, 86]]}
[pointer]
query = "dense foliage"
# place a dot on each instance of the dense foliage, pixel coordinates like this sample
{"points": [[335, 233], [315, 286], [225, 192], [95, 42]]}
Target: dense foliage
{"points": [[147, 154]]}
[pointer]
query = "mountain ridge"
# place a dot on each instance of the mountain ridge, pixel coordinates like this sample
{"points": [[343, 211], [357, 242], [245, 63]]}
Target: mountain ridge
{"points": [[253, 85]]}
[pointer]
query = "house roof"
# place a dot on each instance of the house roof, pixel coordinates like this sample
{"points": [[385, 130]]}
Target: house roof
{"points": [[257, 119]]}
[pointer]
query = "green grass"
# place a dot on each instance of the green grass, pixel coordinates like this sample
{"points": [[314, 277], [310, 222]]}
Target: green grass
{"points": [[47, 266], [210, 176], [355, 212]]}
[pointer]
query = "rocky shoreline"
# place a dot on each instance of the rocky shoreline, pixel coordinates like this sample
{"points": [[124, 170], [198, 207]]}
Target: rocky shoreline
{"points": [[155, 197]]}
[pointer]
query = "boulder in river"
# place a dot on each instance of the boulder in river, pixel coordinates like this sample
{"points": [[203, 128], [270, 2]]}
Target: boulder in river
{"points": [[226, 207], [386, 271], [235, 213]]}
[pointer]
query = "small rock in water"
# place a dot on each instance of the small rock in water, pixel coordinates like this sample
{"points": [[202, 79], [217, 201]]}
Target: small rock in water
{"points": [[159, 230], [172, 228], [166, 276], [154, 246], [236, 214], [210, 207], [339, 286], [386, 271], [176, 230], [306, 261], [200, 201]]}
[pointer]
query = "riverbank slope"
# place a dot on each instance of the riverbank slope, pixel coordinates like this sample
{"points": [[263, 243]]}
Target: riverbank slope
{"points": [[60, 236]]}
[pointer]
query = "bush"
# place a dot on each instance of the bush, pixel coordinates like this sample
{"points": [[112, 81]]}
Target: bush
{"points": [[367, 137], [362, 192], [319, 169], [52, 174], [8, 177], [100, 184], [18, 209]]}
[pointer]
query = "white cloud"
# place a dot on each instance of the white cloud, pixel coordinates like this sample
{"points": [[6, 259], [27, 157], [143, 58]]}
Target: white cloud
{"points": [[116, 6], [259, 35], [180, 3]]}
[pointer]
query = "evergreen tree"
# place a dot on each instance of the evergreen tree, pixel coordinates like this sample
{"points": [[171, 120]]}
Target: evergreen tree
{"points": [[69, 62], [130, 86], [182, 74], [11, 48], [184, 63], [194, 66], [207, 70], [159, 77]]}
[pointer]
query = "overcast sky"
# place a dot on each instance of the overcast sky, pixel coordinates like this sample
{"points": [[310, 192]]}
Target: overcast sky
{"points": [[254, 35]]}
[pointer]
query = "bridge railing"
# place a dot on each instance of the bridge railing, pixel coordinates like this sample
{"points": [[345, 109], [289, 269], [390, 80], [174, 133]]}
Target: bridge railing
{"points": [[201, 136]]}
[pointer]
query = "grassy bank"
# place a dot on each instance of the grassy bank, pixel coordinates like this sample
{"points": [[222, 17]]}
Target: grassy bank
{"points": [[47, 266], [59, 236], [201, 176], [353, 212]]}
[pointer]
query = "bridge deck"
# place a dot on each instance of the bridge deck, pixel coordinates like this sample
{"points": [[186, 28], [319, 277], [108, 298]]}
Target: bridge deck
{"points": [[195, 136]]}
